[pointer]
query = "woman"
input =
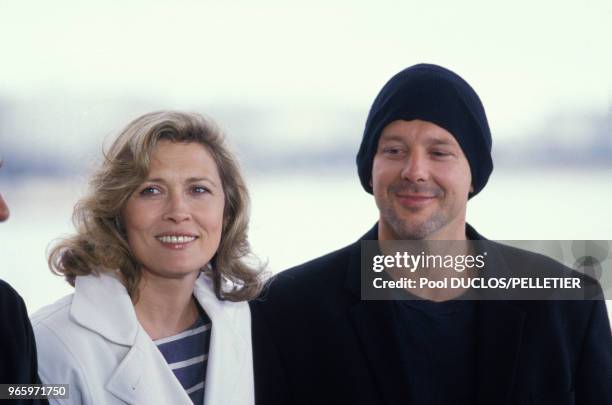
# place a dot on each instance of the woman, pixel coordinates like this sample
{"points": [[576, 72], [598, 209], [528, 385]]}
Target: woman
{"points": [[159, 312]]}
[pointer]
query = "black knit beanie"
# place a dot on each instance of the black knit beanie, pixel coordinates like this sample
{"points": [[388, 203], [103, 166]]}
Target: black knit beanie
{"points": [[435, 94]]}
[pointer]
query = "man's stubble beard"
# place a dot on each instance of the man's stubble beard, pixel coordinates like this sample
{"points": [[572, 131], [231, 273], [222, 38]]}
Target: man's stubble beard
{"points": [[407, 229], [404, 228]]}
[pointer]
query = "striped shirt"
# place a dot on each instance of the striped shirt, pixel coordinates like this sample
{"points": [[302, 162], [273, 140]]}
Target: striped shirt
{"points": [[187, 353]]}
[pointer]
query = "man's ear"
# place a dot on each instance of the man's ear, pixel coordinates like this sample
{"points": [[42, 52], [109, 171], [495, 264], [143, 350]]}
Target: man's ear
{"points": [[471, 192]]}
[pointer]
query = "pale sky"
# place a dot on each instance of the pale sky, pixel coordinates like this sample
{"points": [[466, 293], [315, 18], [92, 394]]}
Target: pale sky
{"points": [[526, 59], [70, 70]]}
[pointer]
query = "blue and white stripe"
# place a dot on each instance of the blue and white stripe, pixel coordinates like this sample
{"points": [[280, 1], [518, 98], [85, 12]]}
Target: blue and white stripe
{"points": [[187, 354]]}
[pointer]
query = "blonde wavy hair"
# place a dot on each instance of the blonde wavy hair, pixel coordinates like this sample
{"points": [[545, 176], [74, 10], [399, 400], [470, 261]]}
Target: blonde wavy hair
{"points": [[100, 244]]}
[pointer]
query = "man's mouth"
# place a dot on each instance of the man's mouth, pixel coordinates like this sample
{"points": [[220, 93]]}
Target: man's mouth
{"points": [[414, 200]]}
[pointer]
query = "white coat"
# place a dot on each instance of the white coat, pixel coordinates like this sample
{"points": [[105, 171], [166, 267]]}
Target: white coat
{"points": [[93, 341]]}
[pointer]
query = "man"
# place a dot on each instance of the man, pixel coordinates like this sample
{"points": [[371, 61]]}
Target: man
{"points": [[426, 150], [18, 363]]}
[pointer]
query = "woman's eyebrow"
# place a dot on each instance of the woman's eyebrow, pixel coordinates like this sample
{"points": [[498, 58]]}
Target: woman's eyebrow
{"points": [[194, 179], [200, 179]]}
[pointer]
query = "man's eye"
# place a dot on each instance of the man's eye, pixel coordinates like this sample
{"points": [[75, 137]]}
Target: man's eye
{"points": [[393, 151], [440, 153]]}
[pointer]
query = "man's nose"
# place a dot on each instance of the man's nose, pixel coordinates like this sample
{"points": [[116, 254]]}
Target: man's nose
{"points": [[416, 167]]}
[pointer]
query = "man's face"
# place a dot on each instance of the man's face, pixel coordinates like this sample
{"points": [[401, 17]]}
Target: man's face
{"points": [[421, 181], [4, 211]]}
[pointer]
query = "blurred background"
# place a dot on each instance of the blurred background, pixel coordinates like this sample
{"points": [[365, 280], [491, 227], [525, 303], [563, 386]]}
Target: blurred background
{"points": [[291, 84]]}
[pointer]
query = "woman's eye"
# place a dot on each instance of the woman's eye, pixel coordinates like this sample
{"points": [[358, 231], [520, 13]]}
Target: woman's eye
{"points": [[199, 190], [149, 191]]}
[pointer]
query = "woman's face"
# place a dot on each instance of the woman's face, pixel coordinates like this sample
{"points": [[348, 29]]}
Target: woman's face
{"points": [[174, 219]]}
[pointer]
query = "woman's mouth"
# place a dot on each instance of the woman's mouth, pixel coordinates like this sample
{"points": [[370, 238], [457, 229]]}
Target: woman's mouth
{"points": [[176, 241]]}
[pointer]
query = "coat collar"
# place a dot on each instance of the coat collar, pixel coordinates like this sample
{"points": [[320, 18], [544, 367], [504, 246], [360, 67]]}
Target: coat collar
{"points": [[352, 280], [498, 333], [101, 304]]}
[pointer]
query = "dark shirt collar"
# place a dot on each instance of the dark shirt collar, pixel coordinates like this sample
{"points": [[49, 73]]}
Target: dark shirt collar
{"points": [[471, 233], [353, 281]]}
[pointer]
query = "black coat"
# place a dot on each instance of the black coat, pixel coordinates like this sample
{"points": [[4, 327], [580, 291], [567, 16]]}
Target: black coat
{"points": [[18, 363], [316, 342]]}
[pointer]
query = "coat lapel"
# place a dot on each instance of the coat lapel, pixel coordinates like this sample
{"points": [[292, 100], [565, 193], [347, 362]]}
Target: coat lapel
{"points": [[143, 376], [229, 376], [374, 324], [102, 305], [498, 338]]}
